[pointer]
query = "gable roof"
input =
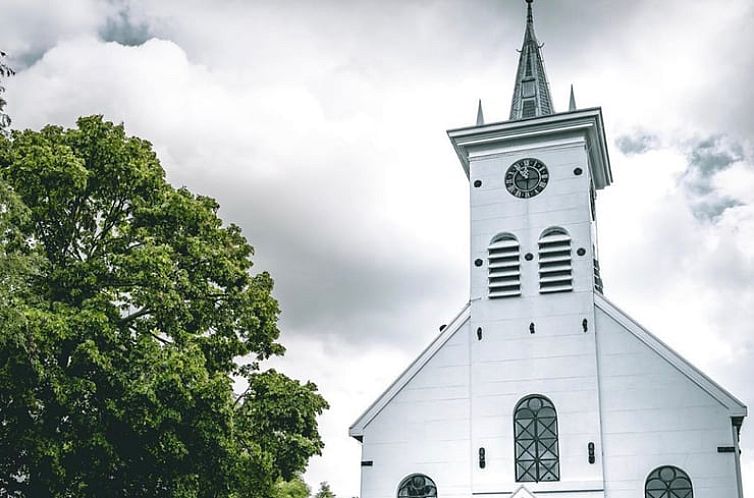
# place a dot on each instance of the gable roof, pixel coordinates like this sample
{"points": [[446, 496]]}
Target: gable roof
{"points": [[734, 405], [357, 428]]}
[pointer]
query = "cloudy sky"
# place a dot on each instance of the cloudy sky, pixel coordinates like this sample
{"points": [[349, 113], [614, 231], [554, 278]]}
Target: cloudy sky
{"points": [[320, 128]]}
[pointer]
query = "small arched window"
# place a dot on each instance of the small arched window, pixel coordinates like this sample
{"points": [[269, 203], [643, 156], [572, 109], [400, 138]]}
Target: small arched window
{"points": [[668, 482], [417, 486], [555, 272], [536, 433], [504, 263]]}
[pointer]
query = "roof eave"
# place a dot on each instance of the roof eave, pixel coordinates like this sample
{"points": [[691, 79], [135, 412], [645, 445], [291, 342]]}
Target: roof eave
{"points": [[589, 121]]}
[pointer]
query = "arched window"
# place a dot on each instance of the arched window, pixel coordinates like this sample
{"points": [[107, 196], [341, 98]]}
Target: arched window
{"points": [[417, 486], [504, 263], [536, 432], [555, 273], [668, 482]]}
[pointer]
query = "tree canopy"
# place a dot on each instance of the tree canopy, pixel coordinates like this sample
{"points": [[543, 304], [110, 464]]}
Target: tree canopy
{"points": [[5, 72], [324, 491], [295, 488], [126, 309]]}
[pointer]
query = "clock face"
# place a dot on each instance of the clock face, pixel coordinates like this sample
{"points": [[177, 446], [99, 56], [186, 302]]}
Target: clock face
{"points": [[526, 178]]}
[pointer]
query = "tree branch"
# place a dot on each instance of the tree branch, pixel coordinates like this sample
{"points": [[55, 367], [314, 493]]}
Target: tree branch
{"points": [[135, 315], [241, 396], [161, 339]]}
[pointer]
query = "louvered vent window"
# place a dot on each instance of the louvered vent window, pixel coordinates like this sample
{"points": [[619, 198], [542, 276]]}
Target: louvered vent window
{"points": [[597, 279], [530, 109], [527, 89], [504, 263], [555, 272]]}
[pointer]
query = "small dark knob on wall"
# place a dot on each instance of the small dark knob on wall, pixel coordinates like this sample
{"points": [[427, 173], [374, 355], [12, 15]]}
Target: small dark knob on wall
{"points": [[479, 333], [591, 453], [482, 463]]}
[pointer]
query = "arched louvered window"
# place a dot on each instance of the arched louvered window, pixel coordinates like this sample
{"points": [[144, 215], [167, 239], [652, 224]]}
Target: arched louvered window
{"points": [[536, 433], [668, 482], [555, 272], [417, 486], [504, 263]]}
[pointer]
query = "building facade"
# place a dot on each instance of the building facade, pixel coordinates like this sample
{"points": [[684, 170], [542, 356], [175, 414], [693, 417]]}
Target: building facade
{"points": [[540, 386]]}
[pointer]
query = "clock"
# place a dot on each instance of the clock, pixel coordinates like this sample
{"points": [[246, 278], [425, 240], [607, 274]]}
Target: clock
{"points": [[526, 178]]}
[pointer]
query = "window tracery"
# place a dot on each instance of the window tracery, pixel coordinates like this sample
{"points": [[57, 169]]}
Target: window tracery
{"points": [[417, 486], [536, 440], [668, 482]]}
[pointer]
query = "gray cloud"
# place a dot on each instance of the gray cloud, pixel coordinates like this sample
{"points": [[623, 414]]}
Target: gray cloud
{"points": [[124, 29], [714, 154], [712, 209], [636, 143], [706, 159]]}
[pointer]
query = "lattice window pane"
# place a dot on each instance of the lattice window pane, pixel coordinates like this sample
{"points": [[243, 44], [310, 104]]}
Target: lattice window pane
{"points": [[668, 482], [417, 486], [536, 434]]}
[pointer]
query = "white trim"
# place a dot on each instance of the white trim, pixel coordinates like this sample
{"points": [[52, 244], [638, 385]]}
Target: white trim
{"points": [[584, 121], [357, 428], [730, 402]]}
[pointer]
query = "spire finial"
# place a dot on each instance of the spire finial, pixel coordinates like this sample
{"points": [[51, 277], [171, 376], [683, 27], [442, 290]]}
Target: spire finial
{"points": [[479, 114], [531, 95], [572, 101], [529, 13]]}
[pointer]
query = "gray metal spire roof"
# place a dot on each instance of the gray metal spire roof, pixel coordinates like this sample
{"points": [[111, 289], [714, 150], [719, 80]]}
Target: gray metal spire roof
{"points": [[531, 95]]}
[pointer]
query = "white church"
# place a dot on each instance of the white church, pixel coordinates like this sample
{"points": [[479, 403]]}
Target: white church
{"points": [[540, 386]]}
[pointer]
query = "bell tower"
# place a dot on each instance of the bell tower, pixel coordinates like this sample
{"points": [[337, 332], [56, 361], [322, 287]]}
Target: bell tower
{"points": [[534, 273]]}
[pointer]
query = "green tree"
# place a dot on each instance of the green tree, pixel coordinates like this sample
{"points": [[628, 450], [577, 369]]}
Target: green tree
{"points": [[324, 491], [5, 72], [125, 310], [295, 488]]}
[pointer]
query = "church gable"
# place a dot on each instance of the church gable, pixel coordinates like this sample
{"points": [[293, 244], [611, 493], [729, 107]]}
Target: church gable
{"points": [[659, 412]]}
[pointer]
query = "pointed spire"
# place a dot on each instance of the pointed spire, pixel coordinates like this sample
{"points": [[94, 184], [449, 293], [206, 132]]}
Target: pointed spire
{"points": [[531, 95], [572, 101], [479, 114]]}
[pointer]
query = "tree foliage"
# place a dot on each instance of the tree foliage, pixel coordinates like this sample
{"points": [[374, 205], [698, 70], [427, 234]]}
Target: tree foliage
{"points": [[5, 72], [324, 491], [125, 305], [295, 488]]}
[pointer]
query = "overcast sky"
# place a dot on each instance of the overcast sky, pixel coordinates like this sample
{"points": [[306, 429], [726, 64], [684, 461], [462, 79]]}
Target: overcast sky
{"points": [[320, 128]]}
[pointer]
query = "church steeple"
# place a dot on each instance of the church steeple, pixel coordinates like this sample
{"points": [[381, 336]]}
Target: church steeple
{"points": [[531, 95]]}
